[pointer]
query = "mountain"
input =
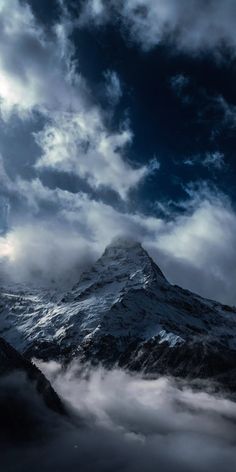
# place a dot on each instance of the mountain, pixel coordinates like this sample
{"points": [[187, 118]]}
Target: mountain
{"points": [[26, 396], [124, 311]]}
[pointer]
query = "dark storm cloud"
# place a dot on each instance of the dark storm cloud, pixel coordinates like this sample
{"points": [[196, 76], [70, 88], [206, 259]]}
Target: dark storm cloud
{"points": [[123, 422]]}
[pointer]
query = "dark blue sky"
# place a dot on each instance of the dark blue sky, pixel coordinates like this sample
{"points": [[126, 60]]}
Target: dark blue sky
{"points": [[119, 117], [170, 124]]}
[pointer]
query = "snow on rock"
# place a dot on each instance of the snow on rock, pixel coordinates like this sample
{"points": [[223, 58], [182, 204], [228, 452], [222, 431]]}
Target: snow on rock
{"points": [[171, 338], [123, 295]]}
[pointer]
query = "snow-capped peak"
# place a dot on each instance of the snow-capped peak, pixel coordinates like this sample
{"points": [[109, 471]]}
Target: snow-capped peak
{"points": [[124, 265], [124, 298]]}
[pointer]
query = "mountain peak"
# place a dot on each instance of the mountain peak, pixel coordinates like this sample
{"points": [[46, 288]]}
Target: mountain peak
{"points": [[129, 254], [123, 246], [124, 243], [124, 265]]}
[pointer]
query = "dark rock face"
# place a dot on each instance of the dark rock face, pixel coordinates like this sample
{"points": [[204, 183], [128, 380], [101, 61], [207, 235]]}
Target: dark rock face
{"points": [[188, 360], [27, 400]]}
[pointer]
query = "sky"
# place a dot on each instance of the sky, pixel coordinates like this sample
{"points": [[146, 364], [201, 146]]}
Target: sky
{"points": [[118, 118]]}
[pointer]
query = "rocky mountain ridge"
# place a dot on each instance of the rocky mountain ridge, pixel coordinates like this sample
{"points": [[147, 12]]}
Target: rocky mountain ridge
{"points": [[124, 311]]}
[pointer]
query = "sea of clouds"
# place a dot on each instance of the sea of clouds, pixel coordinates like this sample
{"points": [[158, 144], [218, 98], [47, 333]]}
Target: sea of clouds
{"points": [[122, 422]]}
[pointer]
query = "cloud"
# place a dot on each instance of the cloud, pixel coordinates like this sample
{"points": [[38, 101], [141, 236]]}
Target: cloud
{"points": [[74, 138], [178, 83], [192, 25], [195, 248], [217, 113], [228, 111], [80, 144], [36, 68], [45, 254], [73, 235], [124, 422], [113, 87], [211, 160], [95, 10], [200, 245], [4, 212], [118, 421], [214, 159], [38, 74]]}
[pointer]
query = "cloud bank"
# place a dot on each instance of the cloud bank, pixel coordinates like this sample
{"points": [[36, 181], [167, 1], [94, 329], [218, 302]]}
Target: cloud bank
{"points": [[194, 248], [123, 422]]}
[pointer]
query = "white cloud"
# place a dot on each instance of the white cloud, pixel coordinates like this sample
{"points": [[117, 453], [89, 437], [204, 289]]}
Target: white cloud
{"points": [[95, 10], [36, 69], [37, 73], [44, 254], [81, 144], [121, 422], [195, 249], [133, 424], [200, 246], [194, 26]]}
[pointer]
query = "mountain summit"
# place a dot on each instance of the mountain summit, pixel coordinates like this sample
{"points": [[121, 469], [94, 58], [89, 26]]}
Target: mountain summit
{"points": [[125, 265], [123, 310]]}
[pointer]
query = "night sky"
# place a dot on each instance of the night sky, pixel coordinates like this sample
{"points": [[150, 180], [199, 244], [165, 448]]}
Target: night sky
{"points": [[119, 117]]}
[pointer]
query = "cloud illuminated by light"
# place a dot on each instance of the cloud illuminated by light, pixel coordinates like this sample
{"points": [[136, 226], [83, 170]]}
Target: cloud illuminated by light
{"points": [[7, 249]]}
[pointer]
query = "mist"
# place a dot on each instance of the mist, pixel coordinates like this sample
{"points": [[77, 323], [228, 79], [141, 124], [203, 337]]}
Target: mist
{"points": [[45, 256], [123, 422], [195, 251]]}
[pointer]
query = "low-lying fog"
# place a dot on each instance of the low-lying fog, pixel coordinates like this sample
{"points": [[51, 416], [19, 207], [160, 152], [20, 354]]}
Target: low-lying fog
{"points": [[128, 424]]}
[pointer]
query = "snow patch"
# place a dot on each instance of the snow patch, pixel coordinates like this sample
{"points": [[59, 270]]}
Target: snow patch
{"points": [[171, 338]]}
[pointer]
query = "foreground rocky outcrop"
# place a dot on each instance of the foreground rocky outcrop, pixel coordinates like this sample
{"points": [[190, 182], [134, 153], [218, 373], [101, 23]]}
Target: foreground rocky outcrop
{"points": [[27, 400]]}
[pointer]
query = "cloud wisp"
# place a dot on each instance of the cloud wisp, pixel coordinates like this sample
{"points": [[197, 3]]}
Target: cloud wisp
{"points": [[113, 87], [192, 26], [212, 160]]}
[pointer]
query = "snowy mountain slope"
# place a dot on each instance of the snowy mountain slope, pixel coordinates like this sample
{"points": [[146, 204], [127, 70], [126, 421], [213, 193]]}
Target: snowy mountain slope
{"points": [[121, 310]]}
